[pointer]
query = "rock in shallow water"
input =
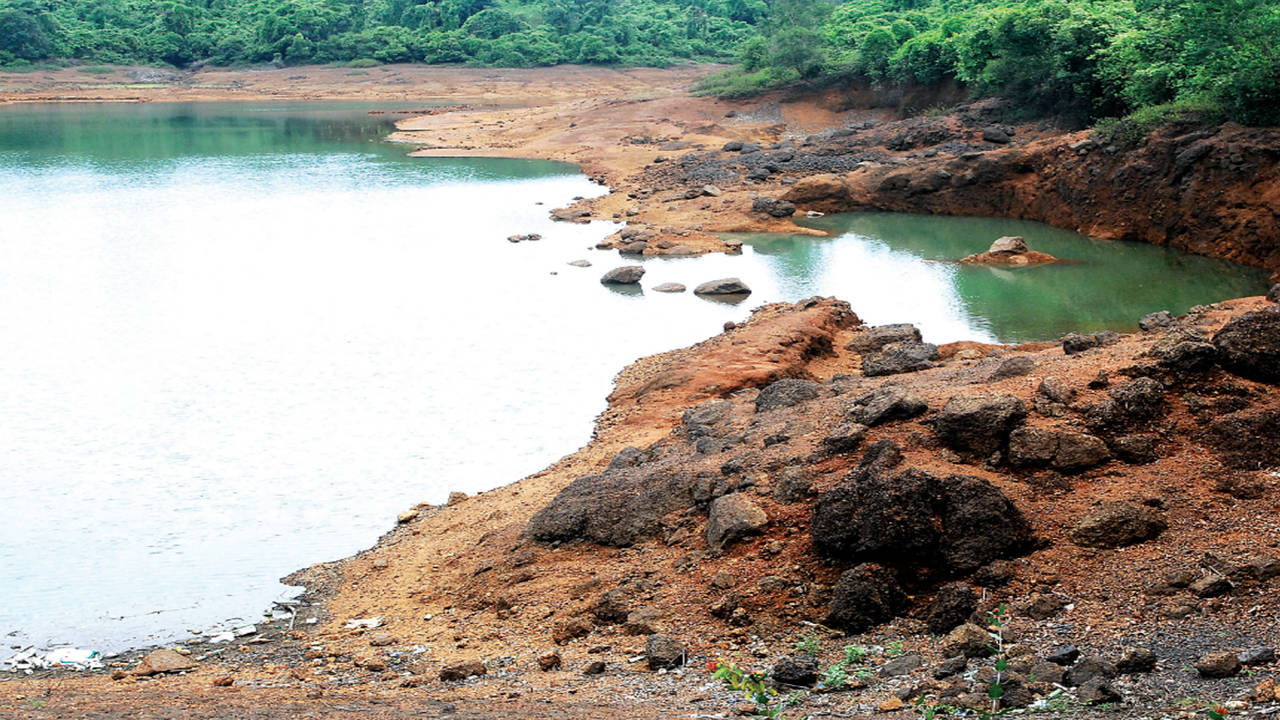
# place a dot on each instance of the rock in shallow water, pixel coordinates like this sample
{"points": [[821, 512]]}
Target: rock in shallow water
{"points": [[625, 275], [669, 288], [723, 286]]}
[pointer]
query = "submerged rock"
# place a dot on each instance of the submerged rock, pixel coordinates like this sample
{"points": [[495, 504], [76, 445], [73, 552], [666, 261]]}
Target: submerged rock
{"points": [[669, 288]]}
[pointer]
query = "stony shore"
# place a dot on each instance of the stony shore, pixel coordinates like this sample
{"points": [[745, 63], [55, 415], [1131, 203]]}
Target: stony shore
{"points": [[803, 484]]}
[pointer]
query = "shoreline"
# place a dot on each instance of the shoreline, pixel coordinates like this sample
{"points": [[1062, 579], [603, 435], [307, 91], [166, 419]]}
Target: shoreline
{"points": [[457, 562]]}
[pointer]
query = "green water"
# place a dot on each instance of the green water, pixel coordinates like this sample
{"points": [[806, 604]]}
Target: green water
{"points": [[900, 267]]}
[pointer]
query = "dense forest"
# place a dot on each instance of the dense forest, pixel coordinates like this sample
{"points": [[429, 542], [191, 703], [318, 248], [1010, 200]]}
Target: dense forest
{"points": [[491, 32], [1083, 59], [1087, 60]]}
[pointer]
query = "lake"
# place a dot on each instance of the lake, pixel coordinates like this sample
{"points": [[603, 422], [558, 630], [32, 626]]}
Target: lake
{"points": [[239, 338]]}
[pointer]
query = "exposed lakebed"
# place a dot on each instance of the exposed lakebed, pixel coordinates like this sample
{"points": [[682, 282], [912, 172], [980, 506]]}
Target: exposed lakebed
{"points": [[241, 337]]}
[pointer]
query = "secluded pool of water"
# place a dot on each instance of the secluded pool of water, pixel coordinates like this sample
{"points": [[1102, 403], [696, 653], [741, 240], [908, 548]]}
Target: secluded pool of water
{"points": [[239, 338]]}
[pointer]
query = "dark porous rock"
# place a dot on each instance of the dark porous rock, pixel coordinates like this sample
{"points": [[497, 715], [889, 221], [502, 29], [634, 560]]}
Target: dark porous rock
{"points": [[618, 507], [1274, 293], [1039, 669], [953, 524], [1065, 451], [1140, 399], [748, 148], [886, 403], [799, 670], [952, 605], [462, 671], [625, 275], [1246, 440], [951, 667], [1016, 366], [705, 417], [1063, 655], [967, 640], [1098, 692], [879, 458], [900, 357], [1257, 656], [664, 651], [1116, 524], [1056, 390], [1016, 693], [979, 423], [732, 145], [595, 667], [793, 485], [1249, 346], [1087, 669], [785, 393], [1137, 449], [899, 666], [845, 438], [1156, 321], [723, 286], [773, 207], [629, 457], [1075, 343], [873, 338], [1219, 665], [865, 596], [1185, 351], [733, 517], [1211, 585], [1136, 660]]}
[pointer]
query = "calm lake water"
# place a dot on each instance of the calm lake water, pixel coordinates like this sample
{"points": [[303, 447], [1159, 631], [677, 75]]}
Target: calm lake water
{"points": [[239, 338]]}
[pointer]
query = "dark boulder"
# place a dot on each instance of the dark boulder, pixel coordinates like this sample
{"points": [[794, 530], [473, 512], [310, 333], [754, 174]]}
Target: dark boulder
{"points": [[874, 338], [1089, 668], [1219, 665], [1136, 660], [953, 524], [865, 596], [785, 393], [1185, 351], [1137, 449], [900, 357], [979, 423], [1140, 399], [886, 403], [845, 438], [1062, 450], [706, 417], [662, 652], [1246, 440], [1249, 346], [1098, 692], [1016, 366], [1156, 321], [1116, 524], [618, 507]]}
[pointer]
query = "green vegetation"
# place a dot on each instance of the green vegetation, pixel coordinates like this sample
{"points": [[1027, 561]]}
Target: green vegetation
{"points": [[1150, 61], [492, 32]]}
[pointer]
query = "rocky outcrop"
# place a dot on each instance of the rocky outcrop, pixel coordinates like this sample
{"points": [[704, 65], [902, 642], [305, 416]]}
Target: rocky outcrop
{"points": [[1012, 251]]}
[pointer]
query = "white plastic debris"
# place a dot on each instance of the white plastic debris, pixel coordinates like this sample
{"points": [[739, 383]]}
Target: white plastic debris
{"points": [[30, 659], [222, 637], [244, 630], [367, 623]]}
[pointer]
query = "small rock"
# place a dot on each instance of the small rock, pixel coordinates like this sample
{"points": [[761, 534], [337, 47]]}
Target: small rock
{"points": [[773, 207], [162, 661], [952, 606], [891, 705], [979, 423], [887, 403], [381, 639], [579, 263], [899, 358], [1087, 669], [1274, 294], [625, 275], [571, 630], [550, 661], [1249, 346], [873, 338], [1014, 367], [1074, 343], [1219, 665], [785, 393], [376, 664], [1211, 585], [968, 640], [996, 135], [711, 191], [1156, 321], [734, 517], [1043, 607], [1136, 660], [951, 667], [798, 669], [462, 670], [456, 497], [596, 667], [406, 516], [866, 594], [669, 288], [224, 681], [1098, 691], [663, 651], [1008, 245], [1064, 655]]}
